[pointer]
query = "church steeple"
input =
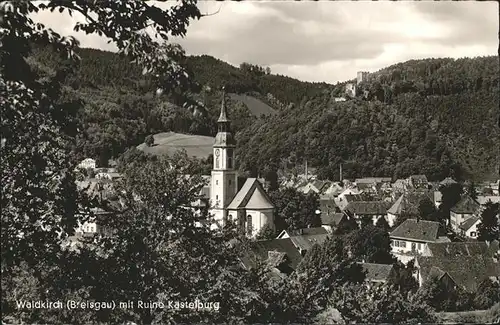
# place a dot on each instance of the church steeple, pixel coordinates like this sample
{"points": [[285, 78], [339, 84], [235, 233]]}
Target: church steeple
{"points": [[224, 138], [223, 112]]}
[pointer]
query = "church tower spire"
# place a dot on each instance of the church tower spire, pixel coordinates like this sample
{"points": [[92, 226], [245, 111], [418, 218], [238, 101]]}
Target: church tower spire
{"points": [[224, 175]]}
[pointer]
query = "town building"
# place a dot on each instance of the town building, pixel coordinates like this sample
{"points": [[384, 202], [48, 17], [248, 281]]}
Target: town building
{"points": [[465, 209], [249, 207], [411, 237]]}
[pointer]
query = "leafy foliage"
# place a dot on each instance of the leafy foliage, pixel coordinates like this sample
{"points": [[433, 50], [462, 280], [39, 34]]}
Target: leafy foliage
{"points": [[360, 304], [489, 228], [448, 130], [295, 210], [370, 244]]}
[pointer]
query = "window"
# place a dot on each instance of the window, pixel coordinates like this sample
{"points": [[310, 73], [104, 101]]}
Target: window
{"points": [[229, 182], [216, 182], [217, 163], [229, 158], [249, 225], [413, 246], [473, 234], [419, 246]]}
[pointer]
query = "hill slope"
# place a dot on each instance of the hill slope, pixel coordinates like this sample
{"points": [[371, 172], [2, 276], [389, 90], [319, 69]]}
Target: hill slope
{"points": [[435, 116], [121, 108], [168, 143]]}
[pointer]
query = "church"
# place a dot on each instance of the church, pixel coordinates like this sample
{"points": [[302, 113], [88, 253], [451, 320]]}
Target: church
{"points": [[249, 206]]}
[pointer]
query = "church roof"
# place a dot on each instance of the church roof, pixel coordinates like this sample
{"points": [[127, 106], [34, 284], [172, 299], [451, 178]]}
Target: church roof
{"points": [[251, 196], [223, 112]]}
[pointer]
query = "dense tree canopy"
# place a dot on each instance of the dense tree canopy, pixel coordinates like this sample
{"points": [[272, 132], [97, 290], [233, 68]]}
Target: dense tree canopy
{"points": [[295, 210], [489, 228]]}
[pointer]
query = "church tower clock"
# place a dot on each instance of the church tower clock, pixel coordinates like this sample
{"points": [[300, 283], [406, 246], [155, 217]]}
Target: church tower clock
{"points": [[224, 184]]}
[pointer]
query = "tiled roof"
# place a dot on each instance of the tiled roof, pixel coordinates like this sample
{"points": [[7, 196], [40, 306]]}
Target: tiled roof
{"points": [[421, 230], [377, 272], [454, 249], [466, 205], [307, 231], [306, 242], [409, 202], [467, 224], [467, 271], [260, 250], [331, 219], [368, 207]]}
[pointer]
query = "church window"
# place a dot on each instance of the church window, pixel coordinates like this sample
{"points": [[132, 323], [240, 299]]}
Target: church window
{"points": [[216, 182], [217, 163], [229, 158], [249, 225], [229, 182]]}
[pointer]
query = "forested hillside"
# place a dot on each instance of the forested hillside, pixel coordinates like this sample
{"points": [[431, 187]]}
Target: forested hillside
{"points": [[122, 108], [435, 116]]}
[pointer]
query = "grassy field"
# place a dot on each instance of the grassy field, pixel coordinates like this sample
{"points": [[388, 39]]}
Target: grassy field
{"points": [[255, 105], [169, 142]]}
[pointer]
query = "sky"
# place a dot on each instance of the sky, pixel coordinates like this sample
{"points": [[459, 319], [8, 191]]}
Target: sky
{"points": [[327, 41]]}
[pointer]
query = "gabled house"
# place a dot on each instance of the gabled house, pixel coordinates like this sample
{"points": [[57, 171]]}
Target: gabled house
{"points": [[281, 252], [466, 272], [378, 273], [367, 209], [407, 203], [418, 181], [315, 186], [305, 239], [411, 237], [465, 209], [468, 228], [331, 221]]}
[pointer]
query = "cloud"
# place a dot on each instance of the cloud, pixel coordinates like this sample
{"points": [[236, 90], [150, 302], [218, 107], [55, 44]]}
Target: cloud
{"points": [[328, 41]]}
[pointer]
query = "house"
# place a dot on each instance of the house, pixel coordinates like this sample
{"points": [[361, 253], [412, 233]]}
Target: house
{"points": [[466, 272], [454, 249], [371, 184], [305, 239], [348, 195], [94, 225], [408, 203], [400, 185], [285, 254], [465, 209], [378, 273], [87, 163], [334, 190], [315, 186], [411, 237], [331, 216], [468, 228], [367, 209], [418, 181]]}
